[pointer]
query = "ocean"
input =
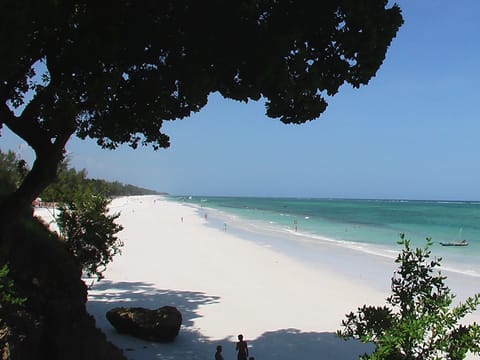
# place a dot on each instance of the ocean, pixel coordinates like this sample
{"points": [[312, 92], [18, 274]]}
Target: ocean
{"points": [[368, 226]]}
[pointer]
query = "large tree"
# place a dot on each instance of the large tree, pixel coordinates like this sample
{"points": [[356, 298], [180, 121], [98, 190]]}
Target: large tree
{"points": [[115, 70]]}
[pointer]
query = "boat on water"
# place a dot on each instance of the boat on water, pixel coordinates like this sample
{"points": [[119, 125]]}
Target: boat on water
{"points": [[458, 242], [455, 243]]}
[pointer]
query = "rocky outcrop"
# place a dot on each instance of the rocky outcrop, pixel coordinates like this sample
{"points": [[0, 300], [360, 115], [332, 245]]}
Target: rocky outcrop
{"points": [[53, 323], [162, 324]]}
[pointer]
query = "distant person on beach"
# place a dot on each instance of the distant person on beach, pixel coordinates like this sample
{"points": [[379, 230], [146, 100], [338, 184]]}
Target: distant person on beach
{"points": [[242, 348], [218, 353]]}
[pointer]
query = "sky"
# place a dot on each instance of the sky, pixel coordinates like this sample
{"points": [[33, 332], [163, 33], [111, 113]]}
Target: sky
{"points": [[411, 133]]}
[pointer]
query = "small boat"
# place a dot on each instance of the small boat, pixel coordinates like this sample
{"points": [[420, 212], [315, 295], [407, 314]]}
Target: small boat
{"points": [[455, 243]]}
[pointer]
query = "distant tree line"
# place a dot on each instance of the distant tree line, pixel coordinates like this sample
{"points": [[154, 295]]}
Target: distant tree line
{"points": [[115, 188], [68, 182]]}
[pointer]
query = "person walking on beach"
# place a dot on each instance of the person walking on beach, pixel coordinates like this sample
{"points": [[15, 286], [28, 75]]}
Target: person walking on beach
{"points": [[218, 353], [242, 348]]}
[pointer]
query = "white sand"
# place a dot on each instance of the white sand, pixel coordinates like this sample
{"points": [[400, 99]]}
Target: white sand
{"points": [[48, 215], [225, 285]]}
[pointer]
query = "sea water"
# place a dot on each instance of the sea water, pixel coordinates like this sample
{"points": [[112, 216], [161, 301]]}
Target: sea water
{"points": [[368, 226]]}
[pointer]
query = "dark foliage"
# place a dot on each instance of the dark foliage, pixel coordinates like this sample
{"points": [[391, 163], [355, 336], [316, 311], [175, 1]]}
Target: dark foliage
{"points": [[8, 295], [12, 172], [52, 323]]}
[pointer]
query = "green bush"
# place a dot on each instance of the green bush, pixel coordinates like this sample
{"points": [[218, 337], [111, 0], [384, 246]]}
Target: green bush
{"points": [[419, 321], [12, 172], [8, 295], [90, 231]]}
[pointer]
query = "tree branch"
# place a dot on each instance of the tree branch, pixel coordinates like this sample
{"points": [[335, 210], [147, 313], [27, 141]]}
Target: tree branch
{"points": [[10, 83], [25, 127]]}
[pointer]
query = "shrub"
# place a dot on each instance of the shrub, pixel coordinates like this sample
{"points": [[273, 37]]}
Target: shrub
{"points": [[12, 172], [419, 321], [90, 232], [8, 295]]}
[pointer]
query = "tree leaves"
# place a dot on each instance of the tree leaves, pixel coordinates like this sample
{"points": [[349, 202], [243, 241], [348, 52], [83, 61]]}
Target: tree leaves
{"points": [[114, 71], [90, 231], [419, 321]]}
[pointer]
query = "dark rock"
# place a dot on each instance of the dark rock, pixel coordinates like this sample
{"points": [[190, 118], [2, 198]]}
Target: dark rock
{"points": [[162, 324]]}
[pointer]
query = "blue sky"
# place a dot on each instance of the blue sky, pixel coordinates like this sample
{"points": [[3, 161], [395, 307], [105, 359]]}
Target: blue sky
{"points": [[412, 133]]}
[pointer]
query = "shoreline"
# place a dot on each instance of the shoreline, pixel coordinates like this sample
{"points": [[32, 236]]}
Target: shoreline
{"points": [[315, 250], [225, 284], [453, 263], [300, 248]]}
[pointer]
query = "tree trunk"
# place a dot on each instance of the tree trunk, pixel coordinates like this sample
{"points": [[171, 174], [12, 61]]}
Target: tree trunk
{"points": [[43, 173]]}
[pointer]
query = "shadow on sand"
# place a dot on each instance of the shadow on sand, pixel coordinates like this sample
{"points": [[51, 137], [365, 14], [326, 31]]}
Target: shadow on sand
{"points": [[285, 344]]}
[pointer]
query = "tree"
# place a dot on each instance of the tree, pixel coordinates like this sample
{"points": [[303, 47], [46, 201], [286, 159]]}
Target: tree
{"points": [[90, 231], [116, 70], [419, 322], [68, 183], [12, 172]]}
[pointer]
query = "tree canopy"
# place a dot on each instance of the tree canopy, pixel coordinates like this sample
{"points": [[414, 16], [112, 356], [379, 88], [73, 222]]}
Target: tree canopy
{"points": [[116, 70]]}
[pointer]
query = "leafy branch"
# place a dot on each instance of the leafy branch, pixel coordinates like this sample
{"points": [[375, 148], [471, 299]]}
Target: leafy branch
{"points": [[419, 321]]}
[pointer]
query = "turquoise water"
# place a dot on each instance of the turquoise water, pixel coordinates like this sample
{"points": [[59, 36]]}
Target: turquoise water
{"points": [[371, 226]]}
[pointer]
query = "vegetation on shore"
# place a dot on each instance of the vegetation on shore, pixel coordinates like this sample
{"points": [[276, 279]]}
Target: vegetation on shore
{"points": [[42, 302], [89, 231], [44, 314], [420, 321], [70, 181]]}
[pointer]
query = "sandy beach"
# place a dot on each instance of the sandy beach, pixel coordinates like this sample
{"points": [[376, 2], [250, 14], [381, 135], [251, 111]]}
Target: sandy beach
{"points": [[225, 285]]}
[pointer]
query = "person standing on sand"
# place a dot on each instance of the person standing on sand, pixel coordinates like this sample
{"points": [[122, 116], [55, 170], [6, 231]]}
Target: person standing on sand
{"points": [[218, 353], [242, 348]]}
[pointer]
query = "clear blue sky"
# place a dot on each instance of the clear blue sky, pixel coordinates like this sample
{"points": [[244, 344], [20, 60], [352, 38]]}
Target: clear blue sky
{"points": [[412, 133]]}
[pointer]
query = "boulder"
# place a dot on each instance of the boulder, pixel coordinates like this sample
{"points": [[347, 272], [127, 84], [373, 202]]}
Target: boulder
{"points": [[162, 324]]}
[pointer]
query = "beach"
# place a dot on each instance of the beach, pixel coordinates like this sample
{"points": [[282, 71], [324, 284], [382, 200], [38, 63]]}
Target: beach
{"points": [[224, 285]]}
